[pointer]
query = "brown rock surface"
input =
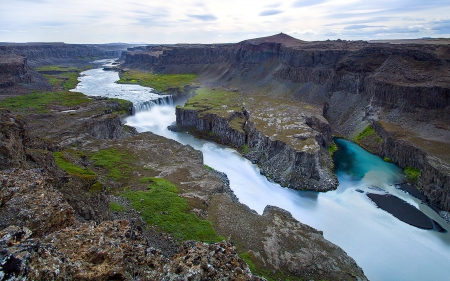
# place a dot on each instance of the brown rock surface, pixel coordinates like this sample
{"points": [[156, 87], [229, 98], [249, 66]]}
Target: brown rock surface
{"points": [[27, 199], [276, 240]]}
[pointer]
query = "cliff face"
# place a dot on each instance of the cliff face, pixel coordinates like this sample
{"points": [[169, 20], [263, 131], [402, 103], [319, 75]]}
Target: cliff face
{"points": [[14, 70], [356, 83], [38, 53], [297, 159]]}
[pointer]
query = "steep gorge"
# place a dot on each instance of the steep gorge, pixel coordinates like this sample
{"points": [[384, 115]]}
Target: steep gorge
{"points": [[402, 90]]}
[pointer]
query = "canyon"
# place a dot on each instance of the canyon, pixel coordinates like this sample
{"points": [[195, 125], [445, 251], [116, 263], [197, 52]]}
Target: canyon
{"points": [[402, 91], [57, 206], [278, 100]]}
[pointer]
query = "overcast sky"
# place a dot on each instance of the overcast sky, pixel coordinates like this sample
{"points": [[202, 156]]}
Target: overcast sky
{"points": [[191, 21]]}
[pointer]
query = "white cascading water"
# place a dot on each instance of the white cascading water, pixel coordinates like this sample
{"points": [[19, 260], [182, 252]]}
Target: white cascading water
{"points": [[386, 248]]}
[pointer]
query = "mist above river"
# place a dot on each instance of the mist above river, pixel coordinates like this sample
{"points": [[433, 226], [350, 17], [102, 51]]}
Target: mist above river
{"points": [[386, 248]]}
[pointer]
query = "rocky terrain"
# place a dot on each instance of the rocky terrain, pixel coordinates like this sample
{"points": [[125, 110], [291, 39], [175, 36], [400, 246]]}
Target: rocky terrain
{"points": [[58, 218], [17, 63], [402, 91], [286, 140]]}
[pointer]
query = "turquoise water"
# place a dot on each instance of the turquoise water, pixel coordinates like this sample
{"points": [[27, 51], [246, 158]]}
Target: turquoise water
{"points": [[385, 248], [354, 163]]}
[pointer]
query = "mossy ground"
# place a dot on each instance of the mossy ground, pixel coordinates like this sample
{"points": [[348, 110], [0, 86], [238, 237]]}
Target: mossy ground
{"points": [[62, 78], [214, 101], [159, 82], [116, 162], [43, 102], [116, 207], [367, 132], [63, 160], [160, 205]]}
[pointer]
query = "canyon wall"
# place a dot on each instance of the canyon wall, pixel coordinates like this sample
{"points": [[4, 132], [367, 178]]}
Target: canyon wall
{"points": [[48, 53], [305, 166], [355, 82], [13, 70]]}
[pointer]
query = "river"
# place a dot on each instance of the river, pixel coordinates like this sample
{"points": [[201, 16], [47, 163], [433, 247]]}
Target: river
{"points": [[385, 247]]}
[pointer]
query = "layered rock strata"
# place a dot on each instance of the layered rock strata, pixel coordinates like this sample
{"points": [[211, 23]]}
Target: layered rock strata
{"points": [[354, 81], [13, 70], [291, 149]]}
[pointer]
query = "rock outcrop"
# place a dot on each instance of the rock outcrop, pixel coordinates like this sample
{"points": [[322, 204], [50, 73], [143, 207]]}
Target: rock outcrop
{"points": [[355, 82], [296, 160], [13, 70]]}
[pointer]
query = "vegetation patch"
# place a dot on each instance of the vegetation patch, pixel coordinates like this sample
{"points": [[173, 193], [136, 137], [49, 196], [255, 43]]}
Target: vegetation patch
{"points": [[209, 168], [43, 102], [159, 82], [270, 275], [245, 149], [116, 207], [412, 174], [332, 148], [57, 68], [387, 159], [115, 161], [215, 101], [368, 131], [62, 161], [61, 77], [160, 205], [96, 187]]}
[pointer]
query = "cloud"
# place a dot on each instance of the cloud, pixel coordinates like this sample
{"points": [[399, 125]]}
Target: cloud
{"points": [[271, 6], [52, 23], [270, 13], [441, 27], [204, 17], [361, 26], [392, 32], [306, 3]]}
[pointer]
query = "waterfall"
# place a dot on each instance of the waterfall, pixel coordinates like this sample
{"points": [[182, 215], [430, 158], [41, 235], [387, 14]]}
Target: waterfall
{"points": [[146, 105]]}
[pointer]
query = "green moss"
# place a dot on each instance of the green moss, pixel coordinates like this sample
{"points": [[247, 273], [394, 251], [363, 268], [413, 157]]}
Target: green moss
{"points": [[209, 168], [159, 82], [332, 148], [245, 149], [387, 159], [115, 161], [270, 275], [145, 179], [116, 207], [60, 76], [96, 187], [248, 258], [412, 174], [215, 101], [56, 68], [368, 131], [62, 161], [43, 102], [160, 205]]}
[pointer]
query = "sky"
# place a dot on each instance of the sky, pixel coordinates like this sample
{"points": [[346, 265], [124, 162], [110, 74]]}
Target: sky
{"points": [[221, 21]]}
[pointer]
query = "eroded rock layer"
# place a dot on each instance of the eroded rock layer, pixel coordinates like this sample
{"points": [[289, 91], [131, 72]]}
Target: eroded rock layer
{"points": [[404, 88]]}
